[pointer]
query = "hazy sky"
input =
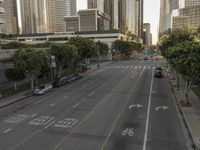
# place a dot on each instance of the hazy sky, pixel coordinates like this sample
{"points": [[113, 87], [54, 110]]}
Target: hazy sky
{"points": [[151, 14]]}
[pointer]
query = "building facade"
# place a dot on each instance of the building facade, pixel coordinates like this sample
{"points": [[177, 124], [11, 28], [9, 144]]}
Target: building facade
{"points": [[56, 11], [2, 11], [166, 9], [147, 38], [88, 20], [33, 16], [11, 21], [188, 17], [192, 2], [42, 16]]}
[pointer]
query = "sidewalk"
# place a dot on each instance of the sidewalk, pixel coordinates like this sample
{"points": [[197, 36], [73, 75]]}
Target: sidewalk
{"points": [[191, 115], [20, 96]]}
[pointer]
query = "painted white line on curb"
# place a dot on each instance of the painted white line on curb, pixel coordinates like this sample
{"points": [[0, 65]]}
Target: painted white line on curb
{"points": [[6, 131], [148, 113]]}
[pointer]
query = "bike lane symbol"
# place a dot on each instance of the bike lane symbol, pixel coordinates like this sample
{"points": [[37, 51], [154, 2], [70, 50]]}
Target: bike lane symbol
{"points": [[128, 131]]}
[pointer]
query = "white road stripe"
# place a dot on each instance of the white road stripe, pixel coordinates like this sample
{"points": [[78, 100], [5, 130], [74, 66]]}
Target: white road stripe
{"points": [[148, 114], [6, 131], [76, 105], [51, 105], [92, 93], [49, 125], [65, 97], [33, 115]]}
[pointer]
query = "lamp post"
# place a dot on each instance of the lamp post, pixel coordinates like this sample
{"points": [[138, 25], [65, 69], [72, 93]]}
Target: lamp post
{"points": [[98, 54]]}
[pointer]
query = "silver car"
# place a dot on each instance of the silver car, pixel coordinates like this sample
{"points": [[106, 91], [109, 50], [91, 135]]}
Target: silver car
{"points": [[41, 90]]}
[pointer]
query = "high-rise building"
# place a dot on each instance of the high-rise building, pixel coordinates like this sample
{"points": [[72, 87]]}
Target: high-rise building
{"points": [[147, 34], [115, 14], [166, 9], [11, 22], [57, 10], [2, 21], [41, 16], [132, 16], [98, 4], [192, 2], [33, 16], [122, 15], [188, 16], [140, 18]]}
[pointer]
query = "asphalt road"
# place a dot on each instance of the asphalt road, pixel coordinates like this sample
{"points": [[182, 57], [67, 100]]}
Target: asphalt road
{"points": [[118, 107]]}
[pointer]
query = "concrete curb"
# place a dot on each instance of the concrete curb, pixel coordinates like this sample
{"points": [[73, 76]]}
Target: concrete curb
{"points": [[195, 146], [13, 102]]}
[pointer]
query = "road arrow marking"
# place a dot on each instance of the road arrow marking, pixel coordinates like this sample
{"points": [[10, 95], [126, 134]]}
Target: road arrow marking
{"points": [[161, 108], [135, 106]]}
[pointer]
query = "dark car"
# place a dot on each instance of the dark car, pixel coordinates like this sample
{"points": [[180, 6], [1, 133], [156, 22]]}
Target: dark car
{"points": [[158, 72], [60, 82]]}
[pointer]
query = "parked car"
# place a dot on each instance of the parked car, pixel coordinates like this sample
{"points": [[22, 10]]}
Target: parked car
{"points": [[146, 58], [158, 72], [43, 89], [60, 82]]}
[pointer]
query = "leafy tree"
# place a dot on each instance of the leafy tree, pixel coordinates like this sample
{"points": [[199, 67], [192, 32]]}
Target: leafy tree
{"points": [[14, 75], [30, 62], [86, 48], [183, 54], [103, 48], [65, 55]]}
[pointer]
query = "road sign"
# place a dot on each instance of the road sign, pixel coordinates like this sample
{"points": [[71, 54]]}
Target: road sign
{"points": [[161, 108]]}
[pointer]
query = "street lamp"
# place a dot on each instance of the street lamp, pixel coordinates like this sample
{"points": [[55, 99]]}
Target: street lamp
{"points": [[98, 54]]}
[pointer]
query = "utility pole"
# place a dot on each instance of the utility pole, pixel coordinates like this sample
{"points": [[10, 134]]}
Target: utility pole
{"points": [[98, 54]]}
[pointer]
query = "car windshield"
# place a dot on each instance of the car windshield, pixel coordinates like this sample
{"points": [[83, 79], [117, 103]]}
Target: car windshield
{"points": [[41, 87]]}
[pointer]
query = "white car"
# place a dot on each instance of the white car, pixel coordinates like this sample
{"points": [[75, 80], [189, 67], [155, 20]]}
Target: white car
{"points": [[43, 89]]}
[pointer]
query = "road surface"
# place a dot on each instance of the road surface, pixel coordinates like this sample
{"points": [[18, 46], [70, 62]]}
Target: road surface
{"points": [[118, 107]]}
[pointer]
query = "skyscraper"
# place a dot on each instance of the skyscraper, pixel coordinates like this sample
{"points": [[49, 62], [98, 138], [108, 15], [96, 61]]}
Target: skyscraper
{"points": [[11, 23], [115, 14], [166, 9], [1, 15], [192, 2], [41, 16], [33, 16], [132, 14], [98, 4], [57, 10]]}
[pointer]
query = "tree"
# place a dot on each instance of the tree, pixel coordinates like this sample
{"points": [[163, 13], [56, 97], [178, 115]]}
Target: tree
{"points": [[183, 54], [86, 48], [30, 62], [65, 55], [14, 75], [102, 47]]}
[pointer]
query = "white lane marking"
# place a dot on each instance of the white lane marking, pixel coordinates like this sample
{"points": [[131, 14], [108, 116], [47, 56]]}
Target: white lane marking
{"points": [[16, 119], [51, 105], [105, 84], [76, 105], [6, 131], [84, 86], [135, 106], [49, 125], [66, 123], [92, 93], [39, 101], [33, 115], [161, 108], [42, 120], [128, 131], [65, 97], [148, 114]]}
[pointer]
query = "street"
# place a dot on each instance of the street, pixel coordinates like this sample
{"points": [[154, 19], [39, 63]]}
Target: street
{"points": [[118, 107]]}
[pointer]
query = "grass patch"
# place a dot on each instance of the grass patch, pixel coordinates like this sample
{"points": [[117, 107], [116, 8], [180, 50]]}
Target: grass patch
{"points": [[196, 90]]}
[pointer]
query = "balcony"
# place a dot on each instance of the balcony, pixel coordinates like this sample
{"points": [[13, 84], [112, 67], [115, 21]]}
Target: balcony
{"points": [[2, 21], [2, 11]]}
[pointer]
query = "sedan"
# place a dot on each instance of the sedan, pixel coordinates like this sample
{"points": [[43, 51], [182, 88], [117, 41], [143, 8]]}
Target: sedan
{"points": [[43, 89]]}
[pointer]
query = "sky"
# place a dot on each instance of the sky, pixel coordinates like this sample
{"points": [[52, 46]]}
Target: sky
{"points": [[151, 14]]}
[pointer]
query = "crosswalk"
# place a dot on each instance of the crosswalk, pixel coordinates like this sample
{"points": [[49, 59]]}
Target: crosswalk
{"points": [[131, 67]]}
